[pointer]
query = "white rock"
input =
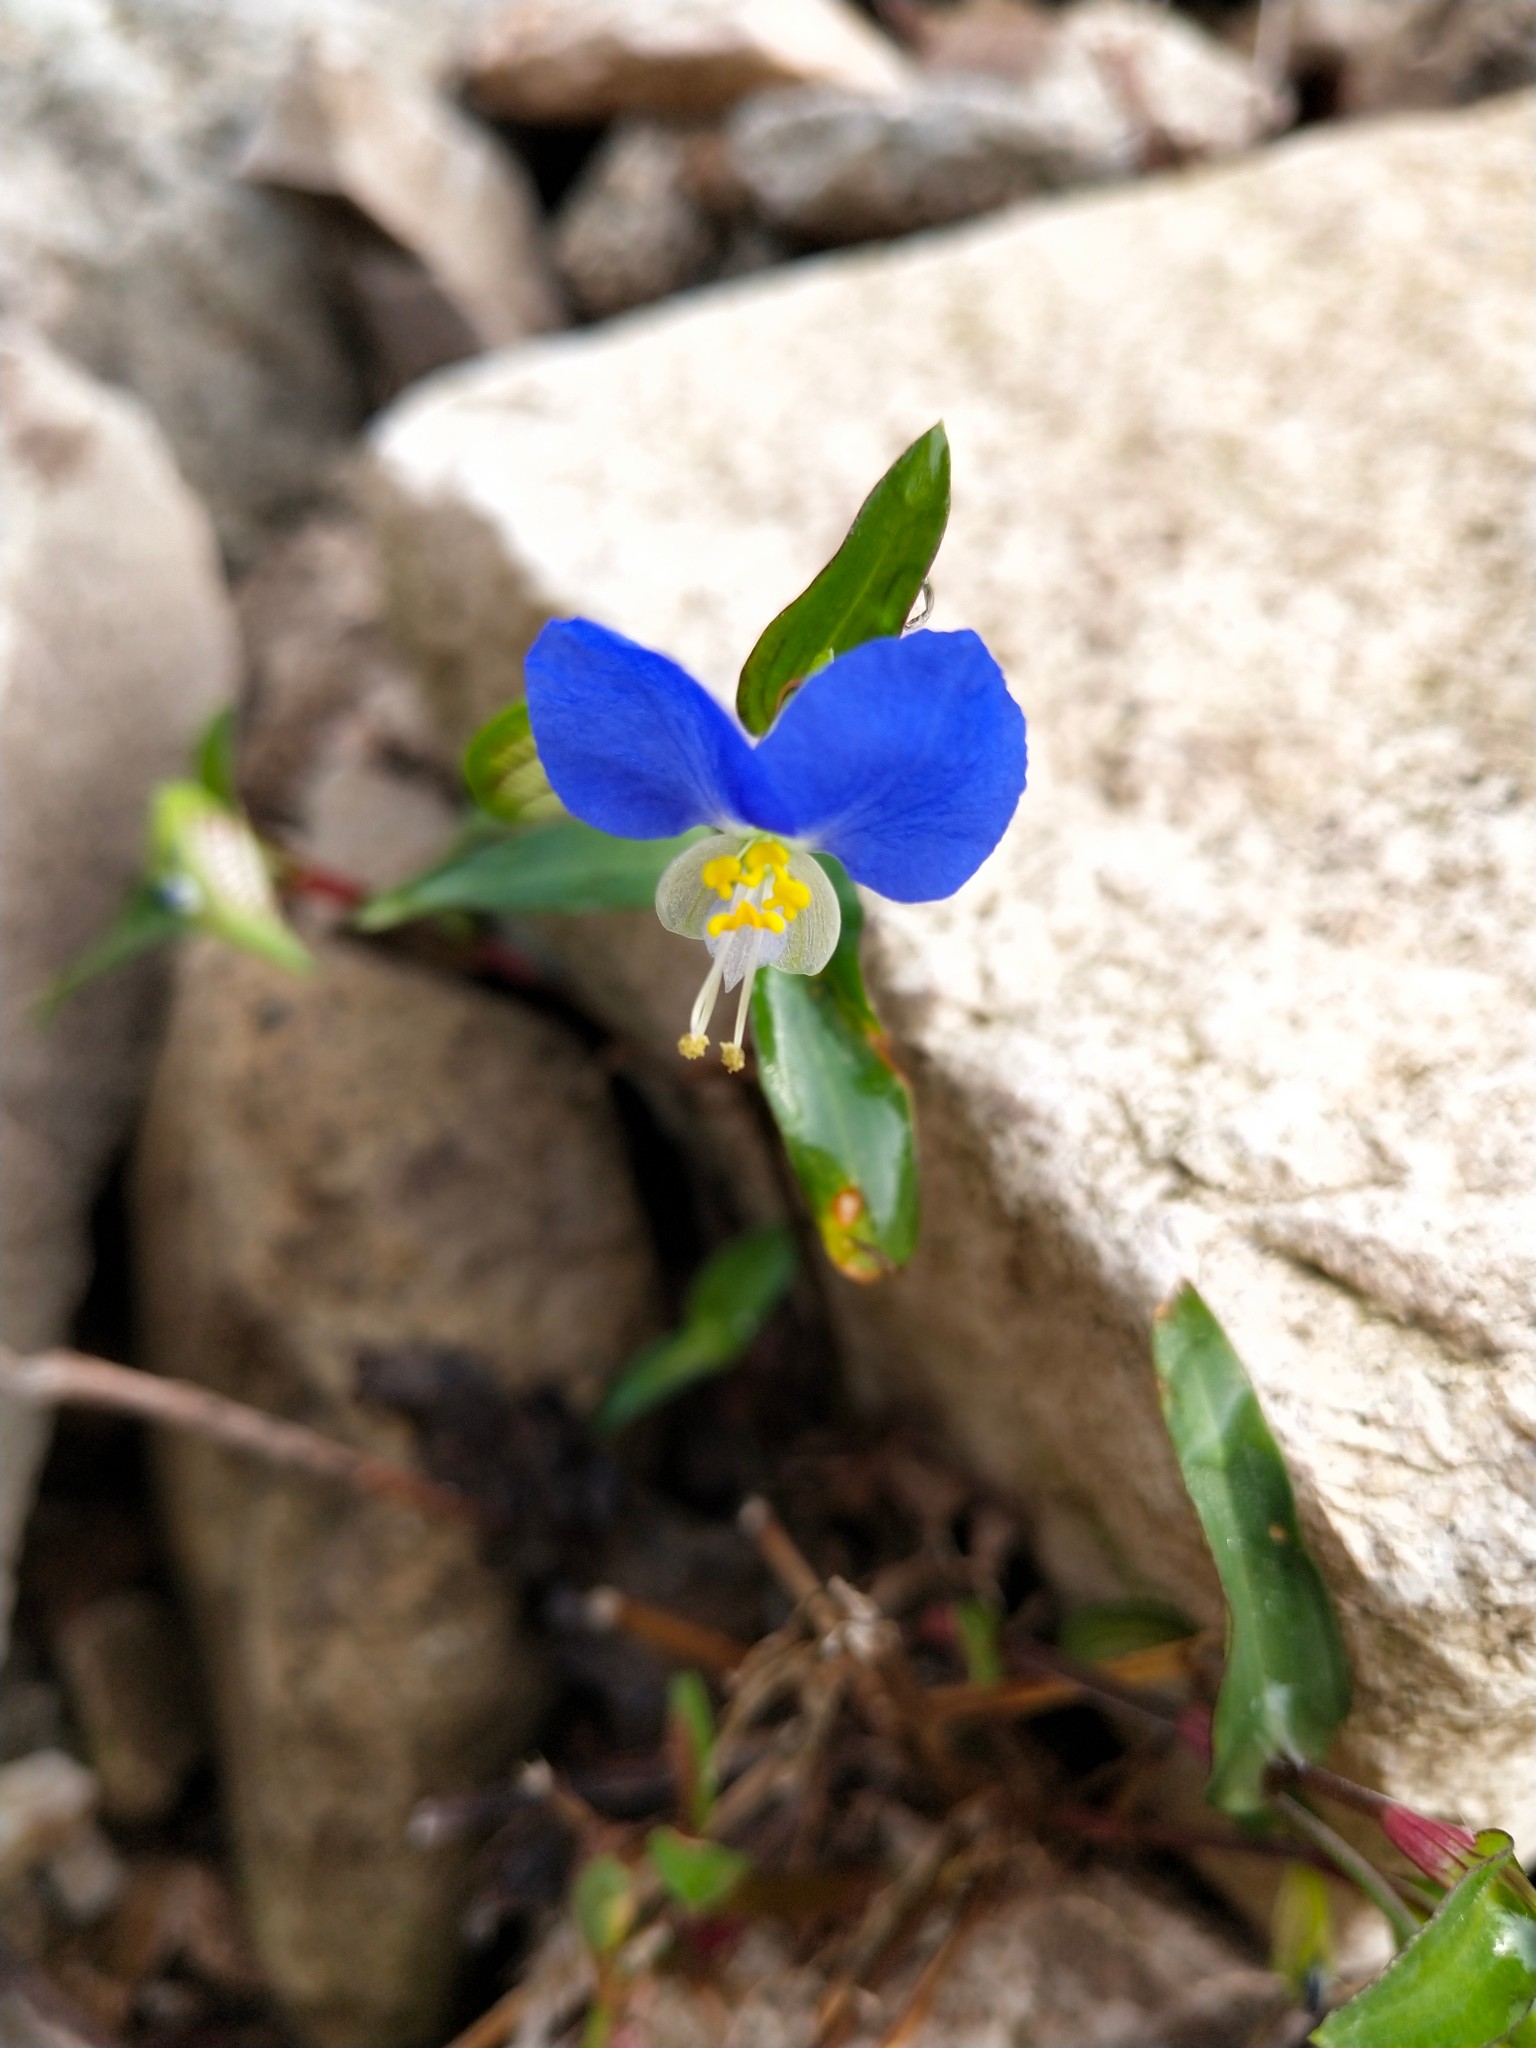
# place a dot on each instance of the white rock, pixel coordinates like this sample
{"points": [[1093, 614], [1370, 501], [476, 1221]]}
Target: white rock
{"points": [[116, 644], [1242, 467], [587, 60], [833, 166], [631, 230], [439, 185], [46, 1800], [1102, 91], [1191, 99], [126, 239]]}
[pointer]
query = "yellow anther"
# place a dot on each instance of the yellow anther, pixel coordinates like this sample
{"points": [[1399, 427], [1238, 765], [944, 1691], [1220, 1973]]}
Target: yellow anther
{"points": [[787, 895], [732, 1058], [721, 875], [693, 1045], [744, 915], [759, 857]]}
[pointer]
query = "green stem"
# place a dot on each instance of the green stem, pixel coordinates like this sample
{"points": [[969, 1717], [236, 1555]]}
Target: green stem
{"points": [[1348, 1861]]}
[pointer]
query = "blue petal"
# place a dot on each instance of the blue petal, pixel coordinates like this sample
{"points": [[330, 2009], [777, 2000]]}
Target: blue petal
{"points": [[904, 757], [629, 741]]}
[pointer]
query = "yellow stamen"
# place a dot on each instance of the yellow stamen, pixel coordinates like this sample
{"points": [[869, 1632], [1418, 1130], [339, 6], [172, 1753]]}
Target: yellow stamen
{"points": [[721, 875], [788, 895], [744, 915], [732, 1058], [693, 1045]]}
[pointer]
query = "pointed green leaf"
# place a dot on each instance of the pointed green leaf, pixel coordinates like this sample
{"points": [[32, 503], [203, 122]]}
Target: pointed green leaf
{"points": [[146, 920], [603, 1900], [726, 1307], [564, 866], [504, 773], [699, 1875], [209, 865], [1286, 1685], [1301, 1940], [1465, 1980], [215, 761], [1102, 1630], [841, 1104], [691, 1725], [865, 592]]}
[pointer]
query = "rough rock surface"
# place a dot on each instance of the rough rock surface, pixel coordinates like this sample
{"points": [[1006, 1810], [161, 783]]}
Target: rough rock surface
{"points": [[1242, 466], [436, 183], [1109, 89], [126, 239], [116, 644], [1369, 56], [833, 167], [588, 60], [632, 230], [128, 1668], [1065, 1959], [373, 1158]]}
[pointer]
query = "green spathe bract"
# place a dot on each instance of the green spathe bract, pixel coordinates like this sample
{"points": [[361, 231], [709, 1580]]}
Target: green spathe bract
{"points": [[1467, 1978], [866, 591], [1286, 1684]]}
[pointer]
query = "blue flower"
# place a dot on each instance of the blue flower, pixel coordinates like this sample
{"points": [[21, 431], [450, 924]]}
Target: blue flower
{"points": [[903, 758]]}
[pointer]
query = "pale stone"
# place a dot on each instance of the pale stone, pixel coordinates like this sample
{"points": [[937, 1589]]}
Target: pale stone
{"points": [[126, 238], [1104, 90], [1064, 1959], [117, 643], [632, 230], [437, 184], [373, 1157], [131, 1684], [587, 60], [1242, 466]]}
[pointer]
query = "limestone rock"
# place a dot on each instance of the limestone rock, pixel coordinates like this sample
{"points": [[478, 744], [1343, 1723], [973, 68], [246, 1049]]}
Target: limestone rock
{"points": [[1371, 56], [1112, 88], [437, 185], [116, 644], [372, 1158], [1241, 472], [588, 60], [1064, 1959], [632, 230], [125, 237], [130, 1678]]}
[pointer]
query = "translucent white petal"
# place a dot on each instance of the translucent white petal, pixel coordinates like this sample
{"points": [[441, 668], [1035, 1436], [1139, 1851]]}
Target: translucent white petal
{"points": [[811, 939], [749, 947], [682, 902]]}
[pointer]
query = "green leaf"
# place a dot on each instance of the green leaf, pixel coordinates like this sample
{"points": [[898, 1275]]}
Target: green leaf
{"points": [[1466, 1979], [691, 1725], [1105, 1629], [726, 1307], [603, 1899], [699, 1875], [865, 592], [215, 759], [1301, 1942], [564, 866], [504, 773], [843, 1107], [146, 920], [1286, 1684], [208, 865], [980, 1632]]}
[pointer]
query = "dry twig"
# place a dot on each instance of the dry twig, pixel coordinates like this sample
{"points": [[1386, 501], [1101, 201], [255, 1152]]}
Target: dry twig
{"points": [[72, 1379]]}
